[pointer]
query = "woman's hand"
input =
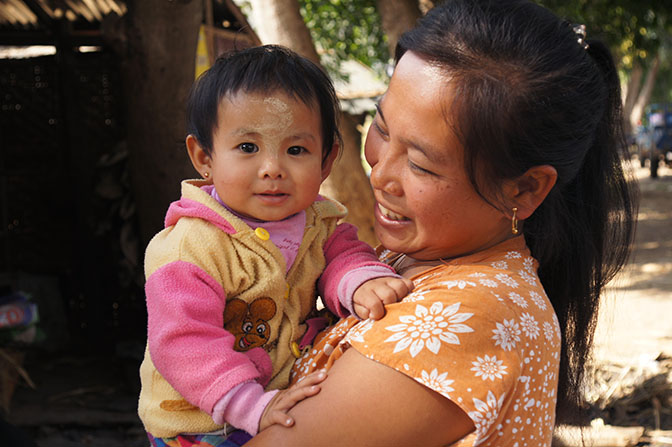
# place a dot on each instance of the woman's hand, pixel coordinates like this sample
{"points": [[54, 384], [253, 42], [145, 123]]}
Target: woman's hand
{"points": [[370, 298], [276, 410]]}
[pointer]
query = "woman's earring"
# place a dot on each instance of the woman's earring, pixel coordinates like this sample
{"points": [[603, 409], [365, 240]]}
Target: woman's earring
{"points": [[514, 222], [206, 174]]}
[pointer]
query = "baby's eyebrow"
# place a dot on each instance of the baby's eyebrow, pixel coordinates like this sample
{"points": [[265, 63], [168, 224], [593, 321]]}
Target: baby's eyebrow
{"points": [[243, 131]]}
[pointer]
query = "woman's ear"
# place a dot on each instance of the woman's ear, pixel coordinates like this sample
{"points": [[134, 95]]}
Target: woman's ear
{"points": [[199, 158], [529, 190], [328, 162]]}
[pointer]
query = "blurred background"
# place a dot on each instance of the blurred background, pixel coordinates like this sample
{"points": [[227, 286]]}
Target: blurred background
{"points": [[92, 151]]}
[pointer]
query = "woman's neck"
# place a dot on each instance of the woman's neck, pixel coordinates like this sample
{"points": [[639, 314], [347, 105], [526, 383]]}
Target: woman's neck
{"points": [[409, 267]]}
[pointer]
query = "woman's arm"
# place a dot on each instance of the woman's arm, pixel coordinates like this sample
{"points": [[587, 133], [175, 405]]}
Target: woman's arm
{"points": [[363, 402]]}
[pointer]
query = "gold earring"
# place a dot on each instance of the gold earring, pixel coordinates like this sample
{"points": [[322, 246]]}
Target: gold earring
{"points": [[206, 174], [514, 222]]}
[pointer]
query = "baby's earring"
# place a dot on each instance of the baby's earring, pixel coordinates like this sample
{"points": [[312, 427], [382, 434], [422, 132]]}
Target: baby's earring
{"points": [[514, 222], [206, 174]]}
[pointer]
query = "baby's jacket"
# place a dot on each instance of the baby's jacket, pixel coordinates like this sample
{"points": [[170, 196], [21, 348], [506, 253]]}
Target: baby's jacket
{"points": [[222, 308]]}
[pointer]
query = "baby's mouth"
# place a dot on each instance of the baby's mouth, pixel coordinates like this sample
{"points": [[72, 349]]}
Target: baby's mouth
{"points": [[391, 215]]}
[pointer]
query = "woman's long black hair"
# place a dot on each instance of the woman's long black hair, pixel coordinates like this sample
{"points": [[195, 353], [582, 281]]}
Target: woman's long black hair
{"points": [[529, 92]]}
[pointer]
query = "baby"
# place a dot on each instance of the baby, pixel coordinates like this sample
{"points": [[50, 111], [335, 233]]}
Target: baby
{"points": [[231, 280]]}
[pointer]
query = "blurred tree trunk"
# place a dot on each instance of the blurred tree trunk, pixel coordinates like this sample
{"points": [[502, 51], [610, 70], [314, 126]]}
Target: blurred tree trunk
{"points": [[645, 93], [631, 91], [397, 17], [157, 44], [348, 183]]}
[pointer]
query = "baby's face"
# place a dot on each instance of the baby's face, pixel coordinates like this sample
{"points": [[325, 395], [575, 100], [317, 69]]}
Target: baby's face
{"points": [[267, 155]]}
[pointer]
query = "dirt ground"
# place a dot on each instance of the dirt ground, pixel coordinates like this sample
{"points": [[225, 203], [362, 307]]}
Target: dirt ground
{"points": [[91, 402], [635, 324], [636, 319]]}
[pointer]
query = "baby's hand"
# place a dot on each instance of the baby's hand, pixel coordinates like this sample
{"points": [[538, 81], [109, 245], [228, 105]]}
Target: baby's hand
{"points": [[276, 410], [369, 298]]}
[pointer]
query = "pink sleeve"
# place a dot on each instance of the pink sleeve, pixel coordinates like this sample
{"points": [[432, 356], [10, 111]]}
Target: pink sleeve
{"points": [[243, 406], [344, 252], [186, 336]]}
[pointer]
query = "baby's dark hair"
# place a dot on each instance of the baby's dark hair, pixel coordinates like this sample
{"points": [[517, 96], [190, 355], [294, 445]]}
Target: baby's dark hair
{"points": [[263, 69], [529, 92]]}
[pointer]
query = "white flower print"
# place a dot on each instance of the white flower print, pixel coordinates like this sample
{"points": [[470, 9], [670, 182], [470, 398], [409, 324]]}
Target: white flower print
{"points": [[501, 265], [425, 277], [538, 300], [357, 332], [477, 275], [528, 263], [488, 283], [506, 280], [485, 415], [528, 277], [415, 296], [507, 334], [556, 324], [437, 382], [529, 325], [488, 367], [519, 300], [460, 284], [549, 332], [513, 255], [428, 328]]}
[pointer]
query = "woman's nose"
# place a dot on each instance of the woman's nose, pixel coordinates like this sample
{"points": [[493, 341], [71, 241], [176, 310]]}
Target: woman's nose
{"points": [[385, 175]]}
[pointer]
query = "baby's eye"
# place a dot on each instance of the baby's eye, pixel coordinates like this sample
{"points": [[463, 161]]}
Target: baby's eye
{"points": [[296, 150], [248, 148]]}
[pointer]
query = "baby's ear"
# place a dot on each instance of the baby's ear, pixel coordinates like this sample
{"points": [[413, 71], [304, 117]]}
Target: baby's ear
{"points": [[328, 162], [199, 158]]}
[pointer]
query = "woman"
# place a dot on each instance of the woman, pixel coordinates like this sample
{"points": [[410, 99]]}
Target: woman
{"points": [[496, 165]]}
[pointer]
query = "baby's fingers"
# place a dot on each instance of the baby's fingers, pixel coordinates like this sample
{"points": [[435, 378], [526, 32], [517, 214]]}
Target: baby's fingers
{"points": [[397, 289], [277, 417]]}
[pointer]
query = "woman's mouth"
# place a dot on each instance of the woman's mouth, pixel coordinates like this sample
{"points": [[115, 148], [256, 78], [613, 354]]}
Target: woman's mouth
{"points": [[390, 215]]}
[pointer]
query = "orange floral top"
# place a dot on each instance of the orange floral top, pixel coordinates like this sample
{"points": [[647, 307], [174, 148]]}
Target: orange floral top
{"points": [[479, 330]]}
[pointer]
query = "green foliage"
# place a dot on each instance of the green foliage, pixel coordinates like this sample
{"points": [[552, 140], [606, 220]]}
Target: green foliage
{"points": [[346, 29], [634, 29]]}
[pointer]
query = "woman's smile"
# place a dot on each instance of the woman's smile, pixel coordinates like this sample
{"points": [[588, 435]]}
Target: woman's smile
{"points": [[390, 215]]}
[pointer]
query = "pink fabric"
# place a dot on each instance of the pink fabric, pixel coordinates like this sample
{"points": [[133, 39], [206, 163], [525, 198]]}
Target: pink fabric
{"points": [[285, 234], [243, 406], [344, 252], [187, 340], [353, 279], [191, 208]]}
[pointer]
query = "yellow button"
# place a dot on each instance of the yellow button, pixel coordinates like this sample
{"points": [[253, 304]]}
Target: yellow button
{"points": [[295, 350], [262, 234], [287, 291]]}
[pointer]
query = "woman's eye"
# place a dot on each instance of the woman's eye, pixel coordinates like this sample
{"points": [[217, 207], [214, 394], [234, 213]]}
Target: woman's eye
{"points": [[419, 169], [296, 150], [248, 148], [378, 128]]}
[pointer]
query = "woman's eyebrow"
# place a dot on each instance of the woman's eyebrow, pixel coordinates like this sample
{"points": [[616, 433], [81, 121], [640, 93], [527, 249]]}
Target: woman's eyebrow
{"points": [[380, 111]]}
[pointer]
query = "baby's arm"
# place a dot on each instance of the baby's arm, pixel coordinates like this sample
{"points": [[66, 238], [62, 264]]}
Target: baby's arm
{"points": [[350, 264], [249, 408]]}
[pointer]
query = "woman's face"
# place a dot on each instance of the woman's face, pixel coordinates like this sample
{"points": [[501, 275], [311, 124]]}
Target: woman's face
{"points": [[426, 207]]}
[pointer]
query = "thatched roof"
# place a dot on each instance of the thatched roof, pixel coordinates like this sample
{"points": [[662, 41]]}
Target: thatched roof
{"points": [[35, 22]]}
